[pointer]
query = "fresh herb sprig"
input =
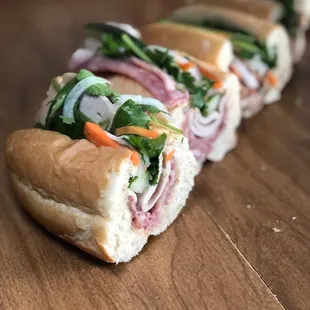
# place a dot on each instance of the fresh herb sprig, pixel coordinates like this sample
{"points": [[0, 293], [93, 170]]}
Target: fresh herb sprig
{"points": [[290, 18], [118, 44], [133, 114], [73, 128]]}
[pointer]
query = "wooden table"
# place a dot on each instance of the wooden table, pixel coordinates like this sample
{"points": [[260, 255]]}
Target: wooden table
{"points": [[243, 240]]}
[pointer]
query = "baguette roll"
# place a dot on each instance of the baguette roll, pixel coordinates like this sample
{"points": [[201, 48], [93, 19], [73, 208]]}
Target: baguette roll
{"points": [[94, 195], [294, 16], [262, 58], [201, 99]]}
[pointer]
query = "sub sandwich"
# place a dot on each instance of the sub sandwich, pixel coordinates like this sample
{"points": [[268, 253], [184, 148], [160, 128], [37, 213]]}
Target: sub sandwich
{"points": [[261, 60], [102, 171], [202, 100], [294, 15]]}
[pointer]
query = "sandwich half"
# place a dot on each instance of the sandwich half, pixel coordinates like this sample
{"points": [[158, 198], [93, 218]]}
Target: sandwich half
{"points": [[294, 15], [101, 171], [262, 59], [203, 100]]}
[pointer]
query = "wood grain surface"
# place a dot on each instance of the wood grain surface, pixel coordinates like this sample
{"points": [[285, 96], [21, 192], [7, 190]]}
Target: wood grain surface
{"points": [[242, 242]]}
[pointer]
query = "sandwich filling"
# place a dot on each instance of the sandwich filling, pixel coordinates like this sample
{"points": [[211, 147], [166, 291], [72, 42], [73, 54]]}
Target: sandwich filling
{"points": [[172, 78], [84, 106], [293, 21], [253, 63]]}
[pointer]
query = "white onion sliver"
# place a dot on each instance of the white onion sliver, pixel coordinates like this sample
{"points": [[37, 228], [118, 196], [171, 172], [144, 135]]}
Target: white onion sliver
{"points": [[77, 91], [143, 101], [248, 78], [119, 140]]}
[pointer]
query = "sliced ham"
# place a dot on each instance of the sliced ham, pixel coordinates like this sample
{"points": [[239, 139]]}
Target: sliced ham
{"points": [[155, 202], [160, 84], [202, 132]]}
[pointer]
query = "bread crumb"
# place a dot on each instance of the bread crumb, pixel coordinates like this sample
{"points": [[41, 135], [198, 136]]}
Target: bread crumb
{"points": [[263, 168], [248, 206], [294, 218], [276, 230], [277, 221]]}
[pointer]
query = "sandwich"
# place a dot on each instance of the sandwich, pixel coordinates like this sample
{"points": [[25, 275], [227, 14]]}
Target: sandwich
{"points": [[100, 170], [202, 100], [294, 15], [262, 59]]}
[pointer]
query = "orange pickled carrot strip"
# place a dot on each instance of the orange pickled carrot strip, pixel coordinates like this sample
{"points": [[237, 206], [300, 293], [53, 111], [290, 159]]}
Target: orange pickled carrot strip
{"points": [[135, 130], [135, 158], [186, 66], [95, 134], [271, 78], [169, 156], [217, 82]]}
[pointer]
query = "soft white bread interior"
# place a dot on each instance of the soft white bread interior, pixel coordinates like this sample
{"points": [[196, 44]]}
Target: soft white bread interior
{"points": [[298, 46], [302, 7], [80, 192], [202, 44], [278, 39]]}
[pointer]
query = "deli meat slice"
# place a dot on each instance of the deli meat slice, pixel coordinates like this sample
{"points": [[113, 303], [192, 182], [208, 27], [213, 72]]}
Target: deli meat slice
{"points": [[160, 84], [159, 198]]}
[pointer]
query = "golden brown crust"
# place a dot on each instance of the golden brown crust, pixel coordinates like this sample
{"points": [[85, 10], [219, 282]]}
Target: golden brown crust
{"points": [[262, 9], [72, 171], [198, 42], [125, 85], [62, 221], [258, 27]]}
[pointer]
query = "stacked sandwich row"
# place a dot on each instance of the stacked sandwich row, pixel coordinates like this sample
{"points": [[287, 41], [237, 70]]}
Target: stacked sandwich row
{"points": [[118, 141]]}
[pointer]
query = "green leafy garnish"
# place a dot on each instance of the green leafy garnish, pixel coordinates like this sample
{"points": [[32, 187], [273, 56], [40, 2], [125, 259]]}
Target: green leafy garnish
{"points": [[130, 114], [152, 148], [74, 128], [153, 171], [166, 125], [118, 44], [132, 179], [290, 18]]}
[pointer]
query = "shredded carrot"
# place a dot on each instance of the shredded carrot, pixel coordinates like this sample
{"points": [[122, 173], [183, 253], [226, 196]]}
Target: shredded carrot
{"points": [[135, 158], [217, 83], [135, 130], [271, 78], [95, 134], [235, 71], [169, 156], [186, 66]]}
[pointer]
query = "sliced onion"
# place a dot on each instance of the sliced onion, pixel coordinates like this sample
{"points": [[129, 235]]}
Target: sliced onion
{"points": [[247, 76], [145, 101], [207, 126], [256, 64], [77, 91]]}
